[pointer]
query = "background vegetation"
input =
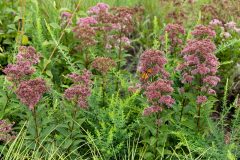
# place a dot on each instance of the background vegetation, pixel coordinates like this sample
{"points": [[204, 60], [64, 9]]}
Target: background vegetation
{"points": [[113, 126]]}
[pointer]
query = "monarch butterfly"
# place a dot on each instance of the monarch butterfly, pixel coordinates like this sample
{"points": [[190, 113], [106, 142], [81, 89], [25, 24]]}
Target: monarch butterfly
{"points": [[145, 75]]}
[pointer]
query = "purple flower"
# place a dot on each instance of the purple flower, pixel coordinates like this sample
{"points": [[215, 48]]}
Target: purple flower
{"points": [[155, 81], [211, 80], [203, 47], [199, 62], [86, 21], [156, 90], [203, 31], [167, 100], [201, 99], [230, 25], [100, 7], [6, 131], [211, 91], [27, 54], [215, 22], [85, 77], [202, 69], [31, 91], [66, 17], [152, 63], [187, 78], [80, 90], [16, 72], [86, 34], [150, 110], [26, 57], [174, 31], [103, 64]]}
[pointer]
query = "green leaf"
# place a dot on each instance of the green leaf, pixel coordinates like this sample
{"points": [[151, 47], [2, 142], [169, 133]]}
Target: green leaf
{"points": [[67, 143]]}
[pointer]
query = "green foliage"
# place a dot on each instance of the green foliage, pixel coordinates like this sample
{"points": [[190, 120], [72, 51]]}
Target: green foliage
{"points": [[113, 126]]}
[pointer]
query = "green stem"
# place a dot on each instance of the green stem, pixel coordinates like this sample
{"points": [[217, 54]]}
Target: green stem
{"points": [[103, 90], [183, 105], [157, 135], [86, 60], [34, 113], [74, 112], [119, 56], [198, 118]]}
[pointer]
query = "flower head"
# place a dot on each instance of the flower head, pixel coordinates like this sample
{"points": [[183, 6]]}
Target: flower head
{"points": [[203, 31], [86, 34], [174, 31], [199, 64], [26, 57], [66, 17], [99, 8], [159, 92], [85, 77], [16, 72], [230, 25], [80, 90], [6, 131], [215, 22], [152, 109], [86, 21], [103, 64], [27, 54], [201, 99], [152, 63], [31, 91]]}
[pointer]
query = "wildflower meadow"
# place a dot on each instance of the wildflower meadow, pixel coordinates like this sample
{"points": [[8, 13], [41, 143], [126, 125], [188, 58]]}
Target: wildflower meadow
{"points": [[119, 80]]}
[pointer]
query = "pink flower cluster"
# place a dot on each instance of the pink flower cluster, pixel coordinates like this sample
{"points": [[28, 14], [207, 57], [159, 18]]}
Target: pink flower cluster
{"points": [[80, 90], [85, 33], [152, 109], [200, 64], [155, 81], [86, 21], [31, 91], [225, 27], [27, 54], [107, 21], [201, 99], [215, 22], [99, 8], [230, 25], [103, 64], [28, 91], [151, 64], [16, 72], [6, 131], [174, 32], [66, 18], [113, 41], [158, 93], [202, 31], [26, 57]]}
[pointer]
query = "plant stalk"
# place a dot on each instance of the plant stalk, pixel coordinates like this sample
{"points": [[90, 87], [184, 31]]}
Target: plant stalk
{"points": [[198, 118], [157, 134], [119, 56], [34, 113], [183, 105], [103, 89]]}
